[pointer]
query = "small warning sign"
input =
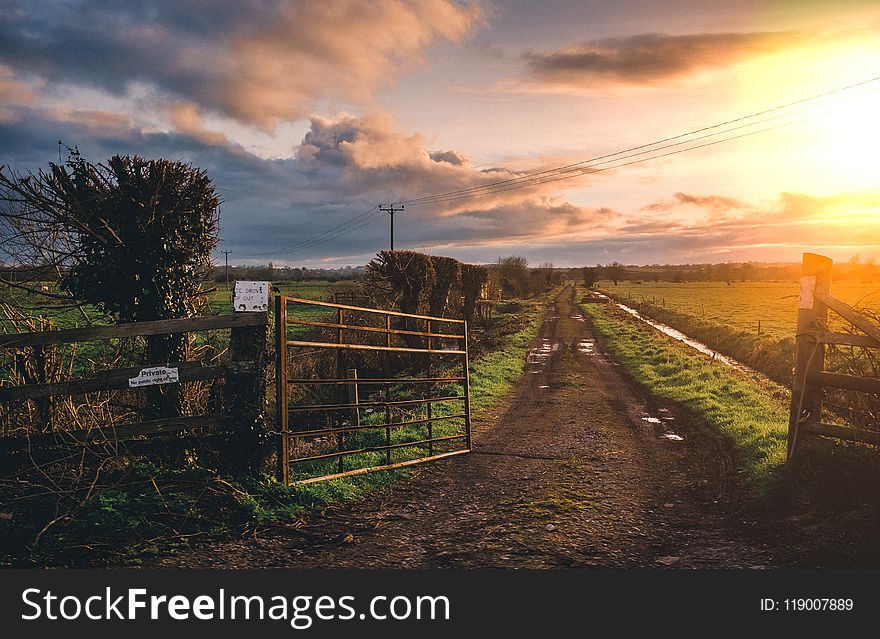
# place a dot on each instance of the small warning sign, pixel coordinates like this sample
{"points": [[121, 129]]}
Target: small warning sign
{"points": [[250, 296], [154, 375]]}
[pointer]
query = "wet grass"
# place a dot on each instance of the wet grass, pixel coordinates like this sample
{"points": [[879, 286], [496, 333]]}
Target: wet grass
{"points": [[773, 357], [753, 322]]}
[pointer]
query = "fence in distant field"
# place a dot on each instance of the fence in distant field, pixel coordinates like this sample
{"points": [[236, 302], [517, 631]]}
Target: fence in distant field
{"points": [[810, 376]]}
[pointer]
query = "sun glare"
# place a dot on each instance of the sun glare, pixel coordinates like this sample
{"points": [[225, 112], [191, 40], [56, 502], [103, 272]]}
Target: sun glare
{"points": [[827, 145], [848, 135]]}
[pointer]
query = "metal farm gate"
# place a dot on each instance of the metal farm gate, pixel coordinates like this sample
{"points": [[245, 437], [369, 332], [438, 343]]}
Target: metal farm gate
{"points": [[362, 389]]}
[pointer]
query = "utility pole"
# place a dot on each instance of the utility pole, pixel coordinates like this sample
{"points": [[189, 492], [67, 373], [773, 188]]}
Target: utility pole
{"points": [[391, 210], [226, 254]]}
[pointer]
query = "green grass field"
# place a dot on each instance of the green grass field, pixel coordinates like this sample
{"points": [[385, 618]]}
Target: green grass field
{"points": [[743, 304], [725, 318], [220, 300]]}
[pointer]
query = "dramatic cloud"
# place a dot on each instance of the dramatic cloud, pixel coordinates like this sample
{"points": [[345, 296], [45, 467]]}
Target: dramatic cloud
{"points": [[450, 157], [707, 202], [369, 156], [653, 58], [343, 167], [370, 152], [12, 92], [187, 118], [257, 62]]}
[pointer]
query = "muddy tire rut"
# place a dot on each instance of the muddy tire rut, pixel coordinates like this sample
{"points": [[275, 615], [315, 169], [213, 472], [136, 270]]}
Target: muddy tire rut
{"points": [[576, 469]]}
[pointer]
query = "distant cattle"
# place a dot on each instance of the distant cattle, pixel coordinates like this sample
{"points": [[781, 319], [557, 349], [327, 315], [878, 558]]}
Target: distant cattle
{"points": [[44, 289]]}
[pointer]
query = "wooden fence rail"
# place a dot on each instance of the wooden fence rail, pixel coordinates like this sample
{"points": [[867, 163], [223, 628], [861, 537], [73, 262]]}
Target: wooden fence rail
{"points": [[244, 372], [810, 376], [133, 329]]}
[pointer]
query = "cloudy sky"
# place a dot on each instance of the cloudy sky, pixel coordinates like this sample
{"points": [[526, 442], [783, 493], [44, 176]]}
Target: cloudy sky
{"points": [[308, 114]]}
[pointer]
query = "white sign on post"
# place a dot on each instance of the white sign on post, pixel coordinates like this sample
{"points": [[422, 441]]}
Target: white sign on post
{"points": [[250, 296], [808, 288], [154, 375]]}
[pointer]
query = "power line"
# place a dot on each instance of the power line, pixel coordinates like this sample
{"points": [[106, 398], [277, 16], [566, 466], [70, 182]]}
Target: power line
{"points": [[551, 176], [574, 166], [591, 170], [340, 229], [585, 167]]}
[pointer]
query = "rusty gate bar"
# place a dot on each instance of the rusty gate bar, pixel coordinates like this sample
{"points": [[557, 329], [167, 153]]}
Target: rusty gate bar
{"points": [[399, 402], [388, 337], [372, 380], [340, 436], [337, 431], [370, 449], [347, 429], [467, 389], [378, 311], [430, 391], [375, 329], [368, 347], [281, 387]]}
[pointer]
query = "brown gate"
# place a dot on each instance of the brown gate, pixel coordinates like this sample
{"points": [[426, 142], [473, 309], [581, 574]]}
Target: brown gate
{"points": [[362, 389]]}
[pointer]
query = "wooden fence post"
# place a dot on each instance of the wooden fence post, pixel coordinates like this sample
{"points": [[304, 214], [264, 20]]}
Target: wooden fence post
{"points": [[245, 396], [806, 399]]}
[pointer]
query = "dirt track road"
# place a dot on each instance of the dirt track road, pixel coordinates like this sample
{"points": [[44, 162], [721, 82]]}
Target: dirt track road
{"points": [[576, 470]]}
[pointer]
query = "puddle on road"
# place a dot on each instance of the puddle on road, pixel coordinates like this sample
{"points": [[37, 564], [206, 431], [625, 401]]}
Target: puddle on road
{"points": [[662, 425], [587, 346], [537, 357], [579, 318]]}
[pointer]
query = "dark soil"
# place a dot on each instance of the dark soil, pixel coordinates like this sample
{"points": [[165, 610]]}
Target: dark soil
{"points": [[576, 470]]}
